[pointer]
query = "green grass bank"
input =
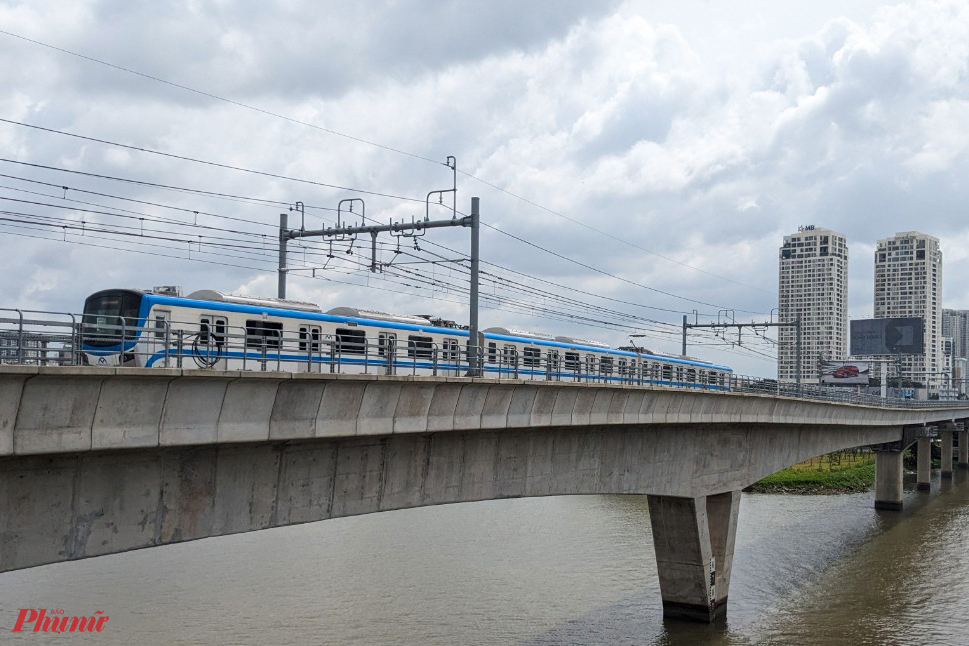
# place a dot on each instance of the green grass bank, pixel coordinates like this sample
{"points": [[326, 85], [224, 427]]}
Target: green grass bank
{"points": [[829, 474]]}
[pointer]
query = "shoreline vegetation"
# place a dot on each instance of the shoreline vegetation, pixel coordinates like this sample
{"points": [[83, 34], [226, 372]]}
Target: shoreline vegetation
{"points": [[835, 473]]}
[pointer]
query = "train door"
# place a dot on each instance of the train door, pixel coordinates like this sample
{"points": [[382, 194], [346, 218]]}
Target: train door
{"points": [[387, 350], [310, 349], [573, 366], [451, 358], [162, 339], [509, 360], [208, 348], [552, 365]]}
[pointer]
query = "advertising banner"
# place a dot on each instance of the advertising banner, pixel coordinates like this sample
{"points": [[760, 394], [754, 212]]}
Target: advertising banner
{"points": [[841, 373], [887, 336]]}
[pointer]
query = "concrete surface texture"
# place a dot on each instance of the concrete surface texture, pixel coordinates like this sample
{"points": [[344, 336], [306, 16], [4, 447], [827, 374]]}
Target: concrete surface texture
{"points": [[70, 409]]}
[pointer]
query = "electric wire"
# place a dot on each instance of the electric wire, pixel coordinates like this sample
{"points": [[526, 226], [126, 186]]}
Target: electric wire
{"points": [[370, 143], [193, 241], [206, 162]]}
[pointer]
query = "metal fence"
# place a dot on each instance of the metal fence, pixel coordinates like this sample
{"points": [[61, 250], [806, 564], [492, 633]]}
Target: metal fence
{"points": [[52, 338]]}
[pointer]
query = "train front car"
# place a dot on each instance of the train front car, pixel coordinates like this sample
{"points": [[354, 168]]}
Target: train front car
{"points": [[112, 327]]}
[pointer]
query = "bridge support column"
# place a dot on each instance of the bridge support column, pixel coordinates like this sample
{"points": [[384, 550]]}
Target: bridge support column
{"points": [[888, 480], [924, 469], [946, 435], [964, 447], [694, 542]]}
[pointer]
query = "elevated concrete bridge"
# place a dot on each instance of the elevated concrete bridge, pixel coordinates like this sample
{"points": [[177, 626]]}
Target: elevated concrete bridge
{"points": [[101, 460]]}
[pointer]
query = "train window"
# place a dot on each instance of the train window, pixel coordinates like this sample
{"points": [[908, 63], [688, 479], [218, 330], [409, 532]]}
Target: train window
{"points": [[703, 376], [605, 366], [531, 357], [667, 373], [106, 314], [572, 361], [261, 334], [386, 342], [679, 374], [590, 364], [351, 341], [492, 353], [691, 375], [623, 367], [420, 347], [161, 323]]}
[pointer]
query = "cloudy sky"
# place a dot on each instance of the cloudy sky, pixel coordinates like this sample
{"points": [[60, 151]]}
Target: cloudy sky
{"points": [[635, 160]]}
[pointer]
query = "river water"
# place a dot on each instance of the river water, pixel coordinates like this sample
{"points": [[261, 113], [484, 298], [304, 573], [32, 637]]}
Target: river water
{"points": [[808, 570]]}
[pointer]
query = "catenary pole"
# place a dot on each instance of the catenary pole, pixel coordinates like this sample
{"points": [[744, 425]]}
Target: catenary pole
{"points": [[473, 221], [683, 351], [283, 239], [474, 352]]}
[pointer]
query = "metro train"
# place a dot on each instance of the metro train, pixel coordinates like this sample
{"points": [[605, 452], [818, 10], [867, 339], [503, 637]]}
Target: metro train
{"points": [[211, 329]]}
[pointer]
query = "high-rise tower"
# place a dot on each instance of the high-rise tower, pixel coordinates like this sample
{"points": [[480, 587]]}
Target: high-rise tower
{"points": [[813, 285], [908, 283]]}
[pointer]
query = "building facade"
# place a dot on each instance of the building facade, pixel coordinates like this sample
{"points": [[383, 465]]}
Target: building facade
{"points": [[908, 283], [955, 325], [812, 286], [955, 332]]}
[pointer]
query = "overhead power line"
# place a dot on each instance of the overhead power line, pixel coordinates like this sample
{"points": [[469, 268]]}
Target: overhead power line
{"points": [[400, 151], [208, 163], [609, 235], [620, 278], [522, 240]]}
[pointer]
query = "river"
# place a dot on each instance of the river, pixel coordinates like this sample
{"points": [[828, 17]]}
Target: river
{"points": [[808, 570]]}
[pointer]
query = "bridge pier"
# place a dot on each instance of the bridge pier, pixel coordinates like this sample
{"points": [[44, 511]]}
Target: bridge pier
{"points": [[945, 434], [964, 446], [888, 480], [924, 465], [694, 543]]}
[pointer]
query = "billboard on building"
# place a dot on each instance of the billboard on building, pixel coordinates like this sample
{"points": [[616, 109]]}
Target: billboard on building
{"points": [[843, 373], [887, 336]]}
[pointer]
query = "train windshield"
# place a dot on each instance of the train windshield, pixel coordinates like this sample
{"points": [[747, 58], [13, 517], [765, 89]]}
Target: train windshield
{"points": [[107, 314]]}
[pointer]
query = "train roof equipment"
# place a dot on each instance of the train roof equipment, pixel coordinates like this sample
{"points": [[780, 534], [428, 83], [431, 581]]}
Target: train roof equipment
{"points": [[239, 299], [356, 313], [592, 344], [522, 334]]}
